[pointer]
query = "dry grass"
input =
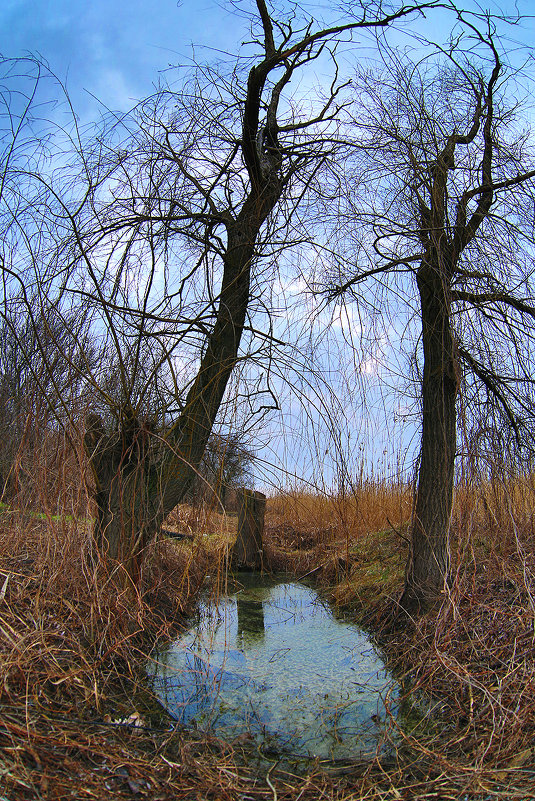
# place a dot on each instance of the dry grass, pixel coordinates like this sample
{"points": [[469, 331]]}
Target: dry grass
{"points": [[476, 660], [73, 639], [342, 539], [204, 521], [374, 506]]}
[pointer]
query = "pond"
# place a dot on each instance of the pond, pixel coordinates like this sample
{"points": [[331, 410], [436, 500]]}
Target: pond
{"points": [[271, 663]]}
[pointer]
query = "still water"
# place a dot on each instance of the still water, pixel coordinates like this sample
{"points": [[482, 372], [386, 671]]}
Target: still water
{"points": [[271, 662]]}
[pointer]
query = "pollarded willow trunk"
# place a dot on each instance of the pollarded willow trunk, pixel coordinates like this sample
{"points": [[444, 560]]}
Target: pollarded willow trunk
{"points": [[126, 472], [429, 559], [139, 477], [137, 486]]}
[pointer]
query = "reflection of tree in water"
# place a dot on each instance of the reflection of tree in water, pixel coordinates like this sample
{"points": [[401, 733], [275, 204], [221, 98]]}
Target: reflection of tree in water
{"points": [[317, 689], [250, 620]]}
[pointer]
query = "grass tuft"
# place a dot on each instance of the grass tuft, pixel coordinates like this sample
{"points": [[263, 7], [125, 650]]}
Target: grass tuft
{"points": [[77, 719]]}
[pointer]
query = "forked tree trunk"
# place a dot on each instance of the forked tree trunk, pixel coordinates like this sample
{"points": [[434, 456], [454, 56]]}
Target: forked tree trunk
{"points": [[248, 550], [429, 559]]}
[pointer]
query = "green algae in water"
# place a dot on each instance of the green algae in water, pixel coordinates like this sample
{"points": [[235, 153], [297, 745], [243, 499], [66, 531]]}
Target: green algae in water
{"points": [[271, 660]]}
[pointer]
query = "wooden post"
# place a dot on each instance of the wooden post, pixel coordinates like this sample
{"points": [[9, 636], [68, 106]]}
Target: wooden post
{"points": [[247, 553]]}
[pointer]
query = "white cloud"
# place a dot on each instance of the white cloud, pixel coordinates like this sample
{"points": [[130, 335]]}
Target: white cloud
{"points": [[346, 319], [370, 366]]}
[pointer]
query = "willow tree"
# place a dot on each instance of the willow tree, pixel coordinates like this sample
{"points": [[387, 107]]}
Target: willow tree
{"points": [[447, 221], [165, 226]]}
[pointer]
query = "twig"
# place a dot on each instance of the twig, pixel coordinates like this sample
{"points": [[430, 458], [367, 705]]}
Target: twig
{"points": [[268, 780], [314, 570], [396, 531]]}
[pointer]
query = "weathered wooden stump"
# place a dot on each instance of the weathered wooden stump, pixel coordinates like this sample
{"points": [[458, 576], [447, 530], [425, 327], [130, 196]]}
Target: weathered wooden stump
{"points": [[248, 550]]}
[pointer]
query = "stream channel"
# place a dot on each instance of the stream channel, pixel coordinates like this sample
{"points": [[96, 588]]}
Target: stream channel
{"points": [[271, 663]]}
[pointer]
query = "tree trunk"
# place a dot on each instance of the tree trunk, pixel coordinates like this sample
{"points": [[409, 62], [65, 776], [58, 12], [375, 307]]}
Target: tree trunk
{"points": [[428, 564], [140, 478], [138, 483], [248, 550], [125, 478]]}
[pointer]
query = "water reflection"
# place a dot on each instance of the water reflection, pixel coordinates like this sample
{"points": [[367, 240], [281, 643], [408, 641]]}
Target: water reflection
{"points": [[272, 660], [250, 620]]}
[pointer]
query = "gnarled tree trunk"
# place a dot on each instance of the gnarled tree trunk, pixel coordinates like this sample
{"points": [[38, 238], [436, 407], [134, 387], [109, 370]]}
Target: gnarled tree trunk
{"points": [[125, 476], [428, 564]]}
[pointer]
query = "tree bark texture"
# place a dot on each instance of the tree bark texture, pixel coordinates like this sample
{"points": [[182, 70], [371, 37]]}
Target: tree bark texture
{"points": [[125, 478], [248, 550], [428, 564]]}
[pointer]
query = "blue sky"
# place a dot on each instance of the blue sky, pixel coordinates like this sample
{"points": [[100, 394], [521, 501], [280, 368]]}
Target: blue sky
{"points": [[109, 48], [117, 51]]}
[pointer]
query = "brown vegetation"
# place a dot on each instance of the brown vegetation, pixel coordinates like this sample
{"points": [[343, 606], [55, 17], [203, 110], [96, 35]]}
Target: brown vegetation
{"points": [[77, 719]]}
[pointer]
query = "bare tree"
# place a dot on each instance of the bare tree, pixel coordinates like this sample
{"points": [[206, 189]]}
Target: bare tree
{"points": [[226, 465], [166, 225], [450, 161], [44, 348], [40, 367]]}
